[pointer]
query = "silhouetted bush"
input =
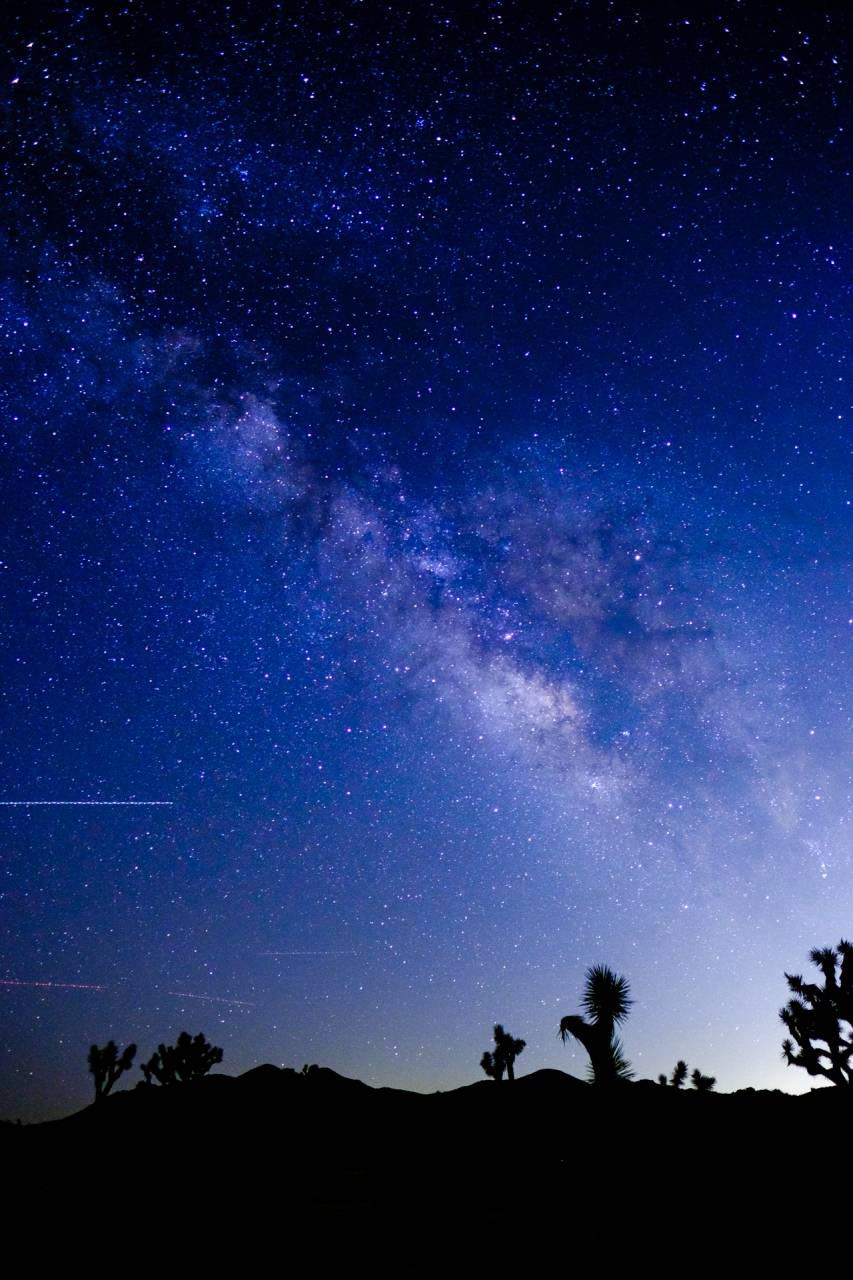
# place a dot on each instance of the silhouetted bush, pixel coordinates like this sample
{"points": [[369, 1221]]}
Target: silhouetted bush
{"points": [[679, 1074], [679, 1078], [816, 1014], [106, 1066], [189, 1059]]}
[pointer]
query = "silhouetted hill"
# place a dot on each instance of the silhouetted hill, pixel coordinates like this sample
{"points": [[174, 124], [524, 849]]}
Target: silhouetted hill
{"points": [[272, 1095], [328, 1142]]}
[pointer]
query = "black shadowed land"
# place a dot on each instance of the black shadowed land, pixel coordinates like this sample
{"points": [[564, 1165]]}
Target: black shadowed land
{"points": [[550, 1142], [334, 1144]]}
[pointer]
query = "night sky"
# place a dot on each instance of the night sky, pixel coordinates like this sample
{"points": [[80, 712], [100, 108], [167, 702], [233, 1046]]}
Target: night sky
{"points": [[425, 474]]}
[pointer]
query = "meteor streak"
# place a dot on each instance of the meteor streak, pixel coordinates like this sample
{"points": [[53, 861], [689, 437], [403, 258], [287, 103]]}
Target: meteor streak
{"points": [[110, 804], [60, 986]]}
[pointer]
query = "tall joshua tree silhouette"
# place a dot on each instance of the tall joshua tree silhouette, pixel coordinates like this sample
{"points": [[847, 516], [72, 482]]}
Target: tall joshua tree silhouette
{"points": [[815, 1017], [606, 1001], [506, 1050], [106, 1066]]}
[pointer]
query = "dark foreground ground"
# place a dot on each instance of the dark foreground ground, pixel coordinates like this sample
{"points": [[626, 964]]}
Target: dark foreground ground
{"points": [[327, 1161]]}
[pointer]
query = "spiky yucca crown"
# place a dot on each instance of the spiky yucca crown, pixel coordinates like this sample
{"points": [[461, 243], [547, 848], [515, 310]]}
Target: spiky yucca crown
{"points": [[606, 994]]}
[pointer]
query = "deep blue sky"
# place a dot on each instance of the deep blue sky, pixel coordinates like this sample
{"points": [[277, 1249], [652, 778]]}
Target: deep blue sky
{"points": [[424, 466]]}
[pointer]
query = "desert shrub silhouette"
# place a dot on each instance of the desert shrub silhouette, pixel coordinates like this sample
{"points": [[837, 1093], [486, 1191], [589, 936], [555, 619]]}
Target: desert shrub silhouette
{"points": [[190, 1059], [106, 1066], [606, 1000], [815, 1017], [502, 1059], [678, 1079], [679, 1074]]}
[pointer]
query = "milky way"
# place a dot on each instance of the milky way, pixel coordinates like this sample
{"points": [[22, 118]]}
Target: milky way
{"points": [[426, 477]]}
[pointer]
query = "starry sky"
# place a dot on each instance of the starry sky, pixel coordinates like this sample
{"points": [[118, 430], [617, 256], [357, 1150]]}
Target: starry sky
{"points": [[425, 475]]}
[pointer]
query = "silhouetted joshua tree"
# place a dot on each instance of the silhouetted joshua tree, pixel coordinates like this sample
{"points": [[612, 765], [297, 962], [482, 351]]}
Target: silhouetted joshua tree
{"points": [[606, 1001], [816, 1015], [106, 1066], [703, 1083], [189, 1059], [679, 1074], [507, 1049]]}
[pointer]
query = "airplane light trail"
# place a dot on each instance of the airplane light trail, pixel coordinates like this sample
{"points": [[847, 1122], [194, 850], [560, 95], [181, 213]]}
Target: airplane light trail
{"points": [[308, 953], [189, 995]]}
